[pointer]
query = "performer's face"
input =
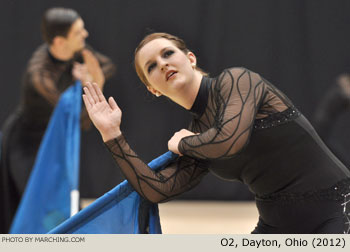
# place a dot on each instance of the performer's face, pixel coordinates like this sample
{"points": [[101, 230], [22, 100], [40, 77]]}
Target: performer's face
{"points": [[167, 69], [75, 40]]}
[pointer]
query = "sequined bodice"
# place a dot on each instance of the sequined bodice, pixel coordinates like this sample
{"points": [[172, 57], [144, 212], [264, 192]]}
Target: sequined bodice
{"points": [[277, 119]]}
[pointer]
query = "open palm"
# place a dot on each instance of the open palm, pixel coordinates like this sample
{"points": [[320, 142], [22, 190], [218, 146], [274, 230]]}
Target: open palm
{"points": [[106, 116]]}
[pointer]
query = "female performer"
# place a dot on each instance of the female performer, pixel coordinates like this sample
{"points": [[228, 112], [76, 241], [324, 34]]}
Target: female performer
{"points": [[242, 120]]}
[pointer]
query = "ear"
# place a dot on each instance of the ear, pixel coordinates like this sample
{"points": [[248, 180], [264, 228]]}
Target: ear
{"points": [[153, 91], [192, 58], [58, 41]]}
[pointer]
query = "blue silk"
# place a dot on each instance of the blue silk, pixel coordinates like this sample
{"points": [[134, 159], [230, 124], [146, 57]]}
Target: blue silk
{"points": [[116, 212], [46, 200]]}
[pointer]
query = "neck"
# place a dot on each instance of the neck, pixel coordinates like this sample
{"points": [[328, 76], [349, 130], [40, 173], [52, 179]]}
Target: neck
{"points": [[190, 93], [60, 53]]}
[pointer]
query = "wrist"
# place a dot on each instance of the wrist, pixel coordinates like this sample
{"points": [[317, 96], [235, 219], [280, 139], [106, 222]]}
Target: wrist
{"points": [[110, 135]]}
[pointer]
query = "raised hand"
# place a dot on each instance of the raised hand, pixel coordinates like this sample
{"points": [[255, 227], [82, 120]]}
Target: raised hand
{"points": [[106, 116], [93, 67]]}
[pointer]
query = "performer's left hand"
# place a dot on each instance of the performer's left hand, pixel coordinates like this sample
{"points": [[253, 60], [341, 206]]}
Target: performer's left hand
{"points": [[105, 115], [173, 143]]}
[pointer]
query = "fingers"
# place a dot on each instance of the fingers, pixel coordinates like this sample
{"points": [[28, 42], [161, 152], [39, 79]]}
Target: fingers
{"points": [[93, 93], [87, 103], [76, 69], [88, 95], [79, 67], [112, 103], [86, 52], [98, 92], [76, 64]]}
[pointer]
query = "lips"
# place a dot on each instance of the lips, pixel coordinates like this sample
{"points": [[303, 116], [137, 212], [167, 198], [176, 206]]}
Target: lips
{"points": [[169, 74]]}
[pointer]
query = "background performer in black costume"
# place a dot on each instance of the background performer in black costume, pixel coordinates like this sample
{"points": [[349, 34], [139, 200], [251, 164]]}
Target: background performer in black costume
{"points": [[242, 120], [53, 67], [334, 105]]}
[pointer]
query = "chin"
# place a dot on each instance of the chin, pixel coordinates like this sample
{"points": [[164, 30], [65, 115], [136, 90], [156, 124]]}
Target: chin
{"points": [[179, 84], [81, 47]]}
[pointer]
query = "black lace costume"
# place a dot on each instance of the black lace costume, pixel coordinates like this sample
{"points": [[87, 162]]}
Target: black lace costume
{"points": [[331, 116], [251, 132], [332, 105], [44, 80]]}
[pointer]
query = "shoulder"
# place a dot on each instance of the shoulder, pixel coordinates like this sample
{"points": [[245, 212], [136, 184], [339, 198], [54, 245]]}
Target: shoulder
{"points": [[237, 71], [40, 53], [39, 60], [238, 74]]}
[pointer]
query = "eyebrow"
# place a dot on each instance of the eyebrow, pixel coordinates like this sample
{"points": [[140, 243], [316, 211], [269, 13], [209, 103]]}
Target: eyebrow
{"points": [[161, 51]]}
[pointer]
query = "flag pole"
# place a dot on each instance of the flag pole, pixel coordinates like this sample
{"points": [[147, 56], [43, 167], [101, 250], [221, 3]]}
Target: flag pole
{"points": [[74, 202]]}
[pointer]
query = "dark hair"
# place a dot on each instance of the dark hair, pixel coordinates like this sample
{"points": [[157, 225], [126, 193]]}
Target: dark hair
{"points": [[57, 22], [179, 43]]}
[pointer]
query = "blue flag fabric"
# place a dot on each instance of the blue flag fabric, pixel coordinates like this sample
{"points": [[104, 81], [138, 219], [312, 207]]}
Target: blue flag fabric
{"points": [[116, 212], [46, 200]]}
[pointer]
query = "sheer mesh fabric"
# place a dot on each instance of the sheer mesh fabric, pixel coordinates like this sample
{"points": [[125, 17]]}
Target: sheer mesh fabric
{"points": [[44, 82], [178, 177], [236, 98]]}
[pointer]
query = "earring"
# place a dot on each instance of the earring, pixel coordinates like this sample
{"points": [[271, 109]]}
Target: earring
{"points": [[193, 65], [158, 94]]}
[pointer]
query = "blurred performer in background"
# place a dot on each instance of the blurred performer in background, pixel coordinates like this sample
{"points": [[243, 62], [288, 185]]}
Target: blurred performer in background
{"points": [[244, 129], [53, 67], [335, 103]]}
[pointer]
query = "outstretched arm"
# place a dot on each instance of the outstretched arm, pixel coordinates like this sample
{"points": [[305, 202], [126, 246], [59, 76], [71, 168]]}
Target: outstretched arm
{"points": [[176, 178]]}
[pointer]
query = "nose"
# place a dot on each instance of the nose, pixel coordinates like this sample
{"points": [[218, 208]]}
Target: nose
{"points": [[164, 65], [86, 33]]}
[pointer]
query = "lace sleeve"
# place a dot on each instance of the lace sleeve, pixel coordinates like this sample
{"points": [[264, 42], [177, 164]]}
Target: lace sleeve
{"points": [[237, 95], [176, 178], [43, 82], [331, 106]]}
